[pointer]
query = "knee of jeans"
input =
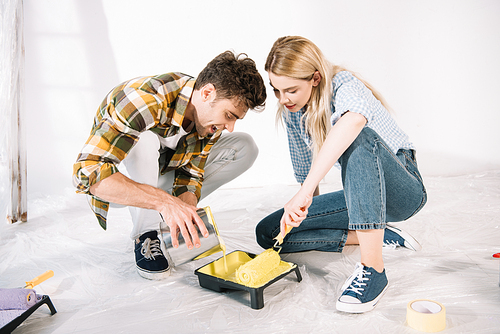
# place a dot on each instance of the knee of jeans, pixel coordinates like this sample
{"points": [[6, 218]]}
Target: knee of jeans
{"points": [[263, 238], [246, 150], [364, 145], [365, 138], [246, 147]]}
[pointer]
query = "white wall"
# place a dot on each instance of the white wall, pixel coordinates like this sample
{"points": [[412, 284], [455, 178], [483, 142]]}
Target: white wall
{"points": [[435, 61]]}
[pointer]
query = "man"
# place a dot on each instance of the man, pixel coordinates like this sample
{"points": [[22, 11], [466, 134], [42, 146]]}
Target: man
{"points": [[167, 131]]}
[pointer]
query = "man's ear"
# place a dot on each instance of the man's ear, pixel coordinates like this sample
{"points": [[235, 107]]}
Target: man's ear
{"points": [[208, 92]]}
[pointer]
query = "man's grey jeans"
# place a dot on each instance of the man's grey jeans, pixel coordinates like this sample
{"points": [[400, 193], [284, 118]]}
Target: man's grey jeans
{"points": [[232, 155]]}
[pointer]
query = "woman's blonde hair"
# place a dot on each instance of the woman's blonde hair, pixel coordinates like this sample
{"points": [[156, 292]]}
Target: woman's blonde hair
{"points": [[299, 58]]}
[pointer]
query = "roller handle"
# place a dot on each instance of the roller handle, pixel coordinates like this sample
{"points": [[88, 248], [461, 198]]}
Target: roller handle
{"points": [[39, 279], [279, 238]]}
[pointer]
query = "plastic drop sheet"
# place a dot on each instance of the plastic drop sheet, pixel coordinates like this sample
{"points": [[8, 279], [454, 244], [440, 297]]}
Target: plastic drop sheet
{"points": [[96, 289]]}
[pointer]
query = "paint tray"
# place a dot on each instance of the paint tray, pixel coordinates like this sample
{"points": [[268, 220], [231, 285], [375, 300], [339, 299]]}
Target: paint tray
{"points": [[15, 322], [214, 277]]}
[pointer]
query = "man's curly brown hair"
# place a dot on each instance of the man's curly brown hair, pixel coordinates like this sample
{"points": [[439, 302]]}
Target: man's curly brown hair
{"points": [[234, 76]]}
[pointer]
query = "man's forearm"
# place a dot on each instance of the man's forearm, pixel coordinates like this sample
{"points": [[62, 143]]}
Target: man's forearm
{"points": [[179, 213], [119, 189]]}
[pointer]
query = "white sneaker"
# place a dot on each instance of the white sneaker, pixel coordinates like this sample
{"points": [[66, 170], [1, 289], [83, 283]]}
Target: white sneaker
{"points": [[395, 237], [362, 290]]}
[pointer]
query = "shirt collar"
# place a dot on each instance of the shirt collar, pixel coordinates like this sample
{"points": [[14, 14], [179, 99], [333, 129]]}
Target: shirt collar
{"points": [[182, 102]]}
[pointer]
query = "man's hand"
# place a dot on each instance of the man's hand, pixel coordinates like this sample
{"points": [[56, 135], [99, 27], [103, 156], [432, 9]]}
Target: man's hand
{"points": [[179, 213], [188, 198], [180, 216]]}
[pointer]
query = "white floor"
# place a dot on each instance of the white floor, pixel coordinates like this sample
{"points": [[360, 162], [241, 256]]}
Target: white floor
{"points": [[95, 288]]}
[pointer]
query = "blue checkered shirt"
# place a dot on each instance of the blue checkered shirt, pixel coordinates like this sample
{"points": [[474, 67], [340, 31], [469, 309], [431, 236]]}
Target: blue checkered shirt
{"points": [[349, 94]]}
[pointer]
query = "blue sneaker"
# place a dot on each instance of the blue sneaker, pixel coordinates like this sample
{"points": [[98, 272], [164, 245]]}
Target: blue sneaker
{"points": [[395, 237], [362, 290], [149, 259]]}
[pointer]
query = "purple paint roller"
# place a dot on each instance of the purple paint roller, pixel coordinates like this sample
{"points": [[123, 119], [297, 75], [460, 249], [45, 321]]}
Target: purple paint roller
{"points": [[17, 299], [22, 299], [18, 304]]}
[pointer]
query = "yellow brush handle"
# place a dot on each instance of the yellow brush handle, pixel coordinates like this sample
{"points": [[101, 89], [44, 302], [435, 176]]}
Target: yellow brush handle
{"points": [[39, 279], [280, 237]]}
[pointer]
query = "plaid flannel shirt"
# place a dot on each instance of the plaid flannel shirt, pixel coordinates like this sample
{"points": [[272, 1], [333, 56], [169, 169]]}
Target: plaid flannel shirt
{"points": [[154, 103], [349, 94]]}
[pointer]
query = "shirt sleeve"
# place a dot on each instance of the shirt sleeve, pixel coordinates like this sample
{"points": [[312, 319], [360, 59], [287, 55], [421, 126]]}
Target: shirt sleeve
{"points": [[190, 177], [121, 118], [352, 95], [300, 153]]}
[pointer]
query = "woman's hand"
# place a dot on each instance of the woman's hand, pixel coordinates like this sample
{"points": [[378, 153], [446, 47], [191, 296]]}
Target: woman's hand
{"points": [[295, 211]]}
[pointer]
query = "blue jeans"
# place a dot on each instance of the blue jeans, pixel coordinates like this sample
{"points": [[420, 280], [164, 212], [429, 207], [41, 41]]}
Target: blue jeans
{"points": [[379, 187]]}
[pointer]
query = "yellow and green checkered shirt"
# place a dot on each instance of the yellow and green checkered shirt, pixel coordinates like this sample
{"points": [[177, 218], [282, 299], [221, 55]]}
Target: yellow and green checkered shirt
{"points": [[154, 103]]}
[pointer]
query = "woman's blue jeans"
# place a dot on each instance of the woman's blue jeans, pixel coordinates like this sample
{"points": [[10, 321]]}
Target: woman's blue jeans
{"points": [[379, 187]]}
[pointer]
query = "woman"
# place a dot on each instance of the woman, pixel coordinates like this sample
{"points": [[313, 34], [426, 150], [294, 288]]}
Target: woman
{"points": [[336, 118]]}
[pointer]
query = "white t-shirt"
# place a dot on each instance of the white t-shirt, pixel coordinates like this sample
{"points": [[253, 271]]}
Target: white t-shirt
{"points": [[171, 142]]}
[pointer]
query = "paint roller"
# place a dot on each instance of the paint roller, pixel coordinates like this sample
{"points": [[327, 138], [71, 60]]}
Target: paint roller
{"points": [[258, 270], [22, 299], [263, 267], [17, 299]]}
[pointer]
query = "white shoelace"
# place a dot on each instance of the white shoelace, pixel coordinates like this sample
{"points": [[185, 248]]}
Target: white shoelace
{"points": [[150, 249], [392, 245], [355, 282]]}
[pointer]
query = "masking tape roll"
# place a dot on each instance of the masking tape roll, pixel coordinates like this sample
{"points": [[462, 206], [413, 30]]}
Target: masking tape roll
{"points": [[426, 315]]}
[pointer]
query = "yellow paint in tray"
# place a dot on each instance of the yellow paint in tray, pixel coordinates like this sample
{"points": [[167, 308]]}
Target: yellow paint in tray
{"points": [[235, 260]]}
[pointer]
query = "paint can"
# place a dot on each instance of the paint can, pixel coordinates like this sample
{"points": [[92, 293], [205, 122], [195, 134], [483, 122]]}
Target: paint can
{"points": [[209, 246]]}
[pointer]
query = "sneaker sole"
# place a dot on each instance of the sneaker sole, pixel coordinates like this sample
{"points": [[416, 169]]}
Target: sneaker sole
{"points": [[410, 242], [360, 307], [153, 275]]}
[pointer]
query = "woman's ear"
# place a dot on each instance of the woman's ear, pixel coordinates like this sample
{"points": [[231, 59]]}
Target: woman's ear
{"points": [[316, 78]]}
